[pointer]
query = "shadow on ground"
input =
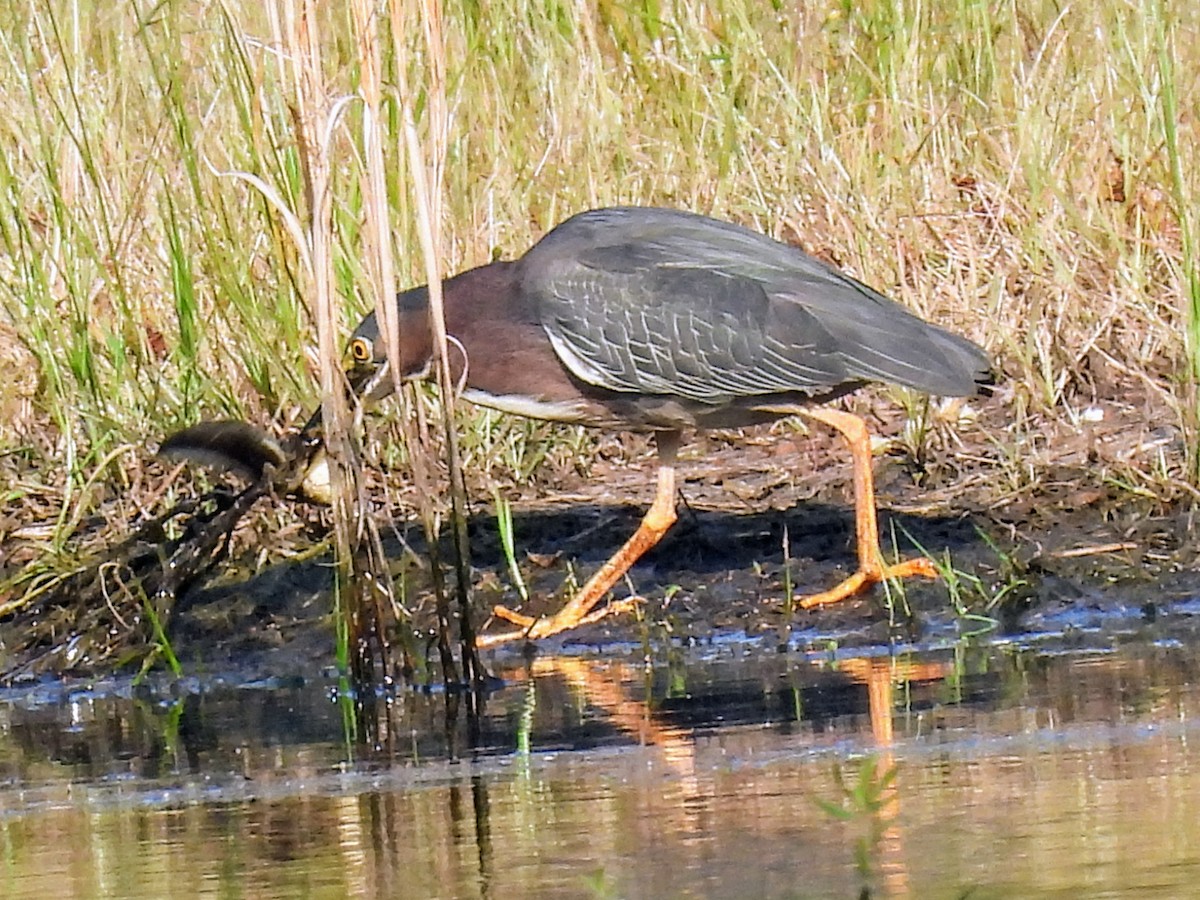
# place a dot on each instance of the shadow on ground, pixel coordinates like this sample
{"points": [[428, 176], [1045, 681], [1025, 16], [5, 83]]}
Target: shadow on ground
{"points": [[715, 571]]}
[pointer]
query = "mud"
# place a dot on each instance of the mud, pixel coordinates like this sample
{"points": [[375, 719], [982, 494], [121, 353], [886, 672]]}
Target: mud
{"points": [[1037, 520], [1074, 541]]}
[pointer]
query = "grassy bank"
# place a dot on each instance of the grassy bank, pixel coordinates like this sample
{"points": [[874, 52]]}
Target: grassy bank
{"points": [[1024, 173]]}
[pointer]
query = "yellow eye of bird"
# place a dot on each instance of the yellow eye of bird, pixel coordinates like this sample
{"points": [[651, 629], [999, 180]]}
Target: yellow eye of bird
{"points": [[360, 349]]}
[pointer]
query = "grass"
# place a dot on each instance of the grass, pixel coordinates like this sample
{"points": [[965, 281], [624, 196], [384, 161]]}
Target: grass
{"points": [[868, 803], [1023, 173], [504, 523]]}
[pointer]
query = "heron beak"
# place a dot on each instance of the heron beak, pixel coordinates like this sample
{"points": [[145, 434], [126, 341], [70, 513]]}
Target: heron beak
{"points": [[368, 383]]}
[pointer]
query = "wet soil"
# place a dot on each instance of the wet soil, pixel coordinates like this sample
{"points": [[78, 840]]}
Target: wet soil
{"points": [[767, 506]]}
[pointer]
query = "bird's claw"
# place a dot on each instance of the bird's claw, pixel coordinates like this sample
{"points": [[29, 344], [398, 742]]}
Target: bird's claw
{"points": [[533, 628], [921, 567]]}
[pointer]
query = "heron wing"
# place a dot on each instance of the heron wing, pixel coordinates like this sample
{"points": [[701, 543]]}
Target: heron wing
{"points": [[666, 302]]}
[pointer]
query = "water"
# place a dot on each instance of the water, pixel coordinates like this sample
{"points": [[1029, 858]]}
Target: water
{"points": [[1005, 771]]}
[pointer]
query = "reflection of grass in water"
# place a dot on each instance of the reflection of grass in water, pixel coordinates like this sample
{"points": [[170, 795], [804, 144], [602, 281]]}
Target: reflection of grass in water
{"points": [[867, 806], [600, 885], [525, 724]]}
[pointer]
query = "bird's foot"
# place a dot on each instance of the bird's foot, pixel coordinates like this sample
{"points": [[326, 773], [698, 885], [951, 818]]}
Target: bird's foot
{"points": [[531, 628], [869, 575]]}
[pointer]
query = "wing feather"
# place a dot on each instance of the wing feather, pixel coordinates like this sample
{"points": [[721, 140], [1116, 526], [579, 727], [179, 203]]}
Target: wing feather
{"points": [[666, 302]]}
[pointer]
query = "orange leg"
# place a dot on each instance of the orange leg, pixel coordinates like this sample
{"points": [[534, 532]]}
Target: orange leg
{"points": [[871, 569], [581, 610]]}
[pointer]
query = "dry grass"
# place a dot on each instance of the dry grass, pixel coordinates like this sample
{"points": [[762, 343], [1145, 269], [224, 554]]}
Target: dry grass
{"points": [[1024, 173]]}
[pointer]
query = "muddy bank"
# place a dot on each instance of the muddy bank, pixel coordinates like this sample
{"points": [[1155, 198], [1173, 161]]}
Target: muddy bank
{"points": [[1031, 518], [1079, 538]]}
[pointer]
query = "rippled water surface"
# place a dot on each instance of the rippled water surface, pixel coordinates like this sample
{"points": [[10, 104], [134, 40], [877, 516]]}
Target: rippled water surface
{"points": [[1004, 771]]}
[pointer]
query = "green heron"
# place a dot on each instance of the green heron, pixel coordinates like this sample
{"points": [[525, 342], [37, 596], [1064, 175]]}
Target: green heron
{"points": [[662, 321]]}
